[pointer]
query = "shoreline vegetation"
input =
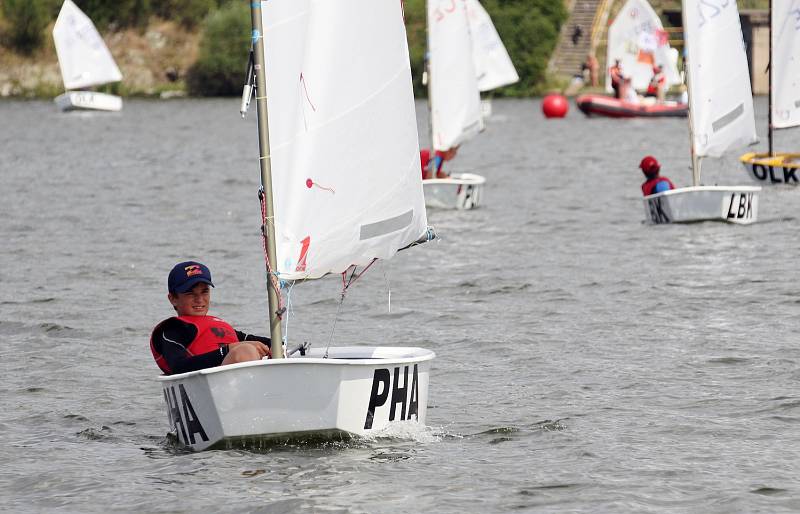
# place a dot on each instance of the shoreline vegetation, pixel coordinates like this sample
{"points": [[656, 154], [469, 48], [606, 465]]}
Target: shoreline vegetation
{"points": [[168, 48]]}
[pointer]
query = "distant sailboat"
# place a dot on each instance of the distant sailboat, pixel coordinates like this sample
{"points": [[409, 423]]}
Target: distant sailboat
{"points": [[637, 39], [85, 61], [454, 102], [784, 96], [326, 90], [493, 65], [720, 118]]}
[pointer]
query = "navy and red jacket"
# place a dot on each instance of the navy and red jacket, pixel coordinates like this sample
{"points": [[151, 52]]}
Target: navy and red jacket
{"points": [[189, 343], [647, 187]]}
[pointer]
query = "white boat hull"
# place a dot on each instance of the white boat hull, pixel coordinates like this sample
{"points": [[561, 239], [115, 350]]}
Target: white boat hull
{"points": [[781, 168], [458, 191], [81, 100], [736, 204], [356, 391]]}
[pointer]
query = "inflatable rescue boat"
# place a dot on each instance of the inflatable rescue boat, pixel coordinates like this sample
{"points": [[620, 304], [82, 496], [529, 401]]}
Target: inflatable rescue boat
{"points": [[602, 105]]}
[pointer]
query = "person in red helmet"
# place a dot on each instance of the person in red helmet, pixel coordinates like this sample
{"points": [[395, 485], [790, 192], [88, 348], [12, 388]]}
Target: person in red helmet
{"points": [[655, 183], [439, 158]]}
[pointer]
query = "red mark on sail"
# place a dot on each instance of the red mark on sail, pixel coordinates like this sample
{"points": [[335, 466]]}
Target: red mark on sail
{"points": [[301, 261], [305, 90], [310, 183]]}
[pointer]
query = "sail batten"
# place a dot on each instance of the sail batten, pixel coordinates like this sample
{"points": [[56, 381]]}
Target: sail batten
{"points": [[83, 56], [343, 133]]}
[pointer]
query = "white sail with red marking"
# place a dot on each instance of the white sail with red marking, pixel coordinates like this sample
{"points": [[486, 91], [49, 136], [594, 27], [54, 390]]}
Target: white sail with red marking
{"points": [[343, 134], [455, 98], [637, 38], [720, 98]]}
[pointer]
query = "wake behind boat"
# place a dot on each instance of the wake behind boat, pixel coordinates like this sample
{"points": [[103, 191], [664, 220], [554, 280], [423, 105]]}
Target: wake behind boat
{"points": [[602, 105], [332, 216], [85, 61]]}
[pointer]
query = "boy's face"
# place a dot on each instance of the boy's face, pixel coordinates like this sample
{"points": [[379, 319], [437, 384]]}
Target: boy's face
{"points": [[194, 302]]}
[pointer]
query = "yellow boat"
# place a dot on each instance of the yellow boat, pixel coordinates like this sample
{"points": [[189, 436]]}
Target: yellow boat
{"points": [[780, 168]]}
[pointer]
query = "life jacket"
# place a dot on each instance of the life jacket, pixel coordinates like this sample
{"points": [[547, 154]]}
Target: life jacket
{"points": [[615, 72], [212, 333], [647, 187], [658, 81], [425, 157]]}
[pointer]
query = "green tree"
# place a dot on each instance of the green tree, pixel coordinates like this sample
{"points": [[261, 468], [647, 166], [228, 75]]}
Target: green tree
{"points": [[220, 66], [27, 20]]}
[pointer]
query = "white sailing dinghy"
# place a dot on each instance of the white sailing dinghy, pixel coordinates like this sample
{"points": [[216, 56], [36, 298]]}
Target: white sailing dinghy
{"points": [[773, 168], [720, 118], [454, 102], [85, 61], [492, 63], [637, 39], [340, 187]]}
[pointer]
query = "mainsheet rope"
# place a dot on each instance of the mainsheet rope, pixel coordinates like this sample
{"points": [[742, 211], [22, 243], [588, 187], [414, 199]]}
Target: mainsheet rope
{"points": [[346, 283]]}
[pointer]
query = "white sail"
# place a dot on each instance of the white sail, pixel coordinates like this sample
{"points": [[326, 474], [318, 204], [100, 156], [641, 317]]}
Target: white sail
{"points": [[455, 99], [720, 99], [492, 64], [82, 55], [785, 63], [343, 134], [637, 38]]}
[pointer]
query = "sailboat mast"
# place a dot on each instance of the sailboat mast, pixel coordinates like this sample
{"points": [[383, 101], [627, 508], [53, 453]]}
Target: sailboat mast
{"points": [[431, 169], [695, 159], [266, 180], [771, 62]]}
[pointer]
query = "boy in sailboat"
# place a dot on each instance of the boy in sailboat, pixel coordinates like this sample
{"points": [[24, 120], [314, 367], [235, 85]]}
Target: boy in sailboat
{"points": [[193, 340], [655, 183], [617, 78]]}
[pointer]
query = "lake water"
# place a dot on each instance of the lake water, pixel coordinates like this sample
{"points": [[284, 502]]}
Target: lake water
{"points": [[586, 362]]}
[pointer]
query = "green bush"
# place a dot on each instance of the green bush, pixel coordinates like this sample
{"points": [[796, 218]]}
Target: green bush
{"points": [[27, 20], [189, 13], [220, 66], [116, 13]]}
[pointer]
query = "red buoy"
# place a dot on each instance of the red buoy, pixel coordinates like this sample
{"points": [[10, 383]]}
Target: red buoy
{"points": [[555, 106]]}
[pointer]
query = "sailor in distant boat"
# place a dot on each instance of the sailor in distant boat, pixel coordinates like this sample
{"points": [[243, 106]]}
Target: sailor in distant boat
{"points": [[440, 157], [617, 78], [193, 340], [655, 183], [658, 84]]}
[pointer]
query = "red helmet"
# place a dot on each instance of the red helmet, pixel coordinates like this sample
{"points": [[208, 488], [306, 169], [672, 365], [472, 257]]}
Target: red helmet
{"points": [[650, 165]]}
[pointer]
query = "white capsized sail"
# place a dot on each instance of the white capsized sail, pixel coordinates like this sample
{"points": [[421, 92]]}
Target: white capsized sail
{"points": [[492, 64], [637, 38], [785, 63], [82, 55], [455, 98], [343, 134], [720, 98]]}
